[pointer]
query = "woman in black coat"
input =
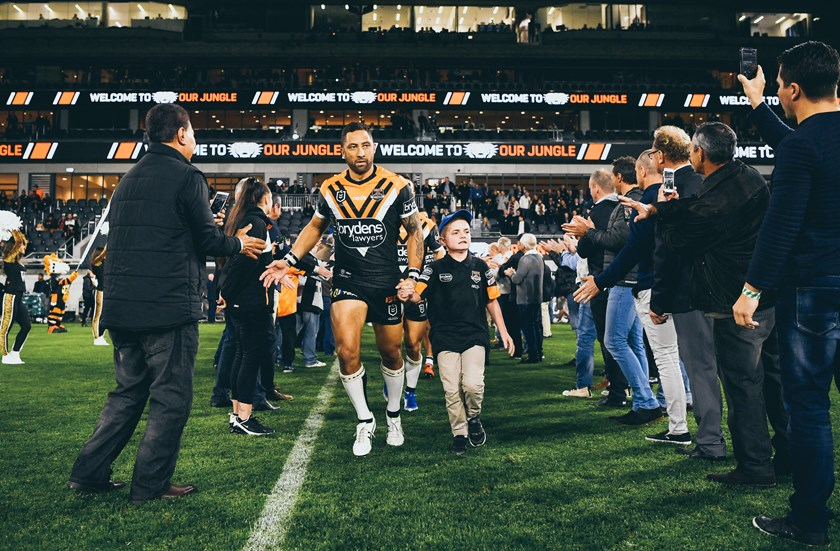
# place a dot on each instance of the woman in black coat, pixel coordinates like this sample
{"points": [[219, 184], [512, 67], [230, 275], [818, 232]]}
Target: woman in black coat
{"points": [[249, 305]]}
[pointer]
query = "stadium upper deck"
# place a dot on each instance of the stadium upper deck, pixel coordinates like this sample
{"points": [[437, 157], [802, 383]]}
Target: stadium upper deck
{"points": [[451, 88]]}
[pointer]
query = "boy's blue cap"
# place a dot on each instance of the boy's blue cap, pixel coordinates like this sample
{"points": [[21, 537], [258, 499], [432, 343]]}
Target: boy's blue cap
{"points": [[457, 215]]}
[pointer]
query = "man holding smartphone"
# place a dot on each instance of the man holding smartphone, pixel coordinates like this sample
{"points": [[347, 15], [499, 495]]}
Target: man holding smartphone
{"points": [[798, 252], [714, 233]]}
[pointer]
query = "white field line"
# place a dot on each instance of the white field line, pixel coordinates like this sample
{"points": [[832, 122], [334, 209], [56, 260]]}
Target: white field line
{"points": [[271, 528]]}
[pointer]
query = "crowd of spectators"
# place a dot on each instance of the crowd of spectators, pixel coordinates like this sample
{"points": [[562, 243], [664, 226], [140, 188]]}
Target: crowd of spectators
{"points": [[48, 223], [512, 211], [407, 75]]}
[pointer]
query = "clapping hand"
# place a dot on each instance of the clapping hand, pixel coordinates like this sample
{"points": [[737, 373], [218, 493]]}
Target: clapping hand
{"points": [[577, 226], [571, 243]]}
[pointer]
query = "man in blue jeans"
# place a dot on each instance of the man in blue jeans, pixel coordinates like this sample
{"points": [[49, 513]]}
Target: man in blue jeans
{"points": [[623, 335], [798, 251]]}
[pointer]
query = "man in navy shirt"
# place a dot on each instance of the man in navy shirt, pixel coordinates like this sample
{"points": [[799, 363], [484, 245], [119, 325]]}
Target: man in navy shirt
{"points": [[798, 251], [659, 329]]}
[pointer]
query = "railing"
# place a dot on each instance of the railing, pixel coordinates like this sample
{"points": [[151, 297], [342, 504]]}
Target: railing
{"points": [[297, 201]]}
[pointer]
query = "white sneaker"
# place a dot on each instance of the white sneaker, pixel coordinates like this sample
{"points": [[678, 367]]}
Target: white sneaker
{"points": [[13, 358], [317, 363], [395, 433], [364, 438], [100, 341]]}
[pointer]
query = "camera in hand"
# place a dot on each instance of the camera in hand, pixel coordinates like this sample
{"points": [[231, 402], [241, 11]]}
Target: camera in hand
{"points": [[749, 62], [219, 202], [668, 181]]}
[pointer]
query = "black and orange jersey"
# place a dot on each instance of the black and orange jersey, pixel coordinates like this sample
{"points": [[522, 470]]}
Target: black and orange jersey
{"points": [[366, 216], [431, 243]]}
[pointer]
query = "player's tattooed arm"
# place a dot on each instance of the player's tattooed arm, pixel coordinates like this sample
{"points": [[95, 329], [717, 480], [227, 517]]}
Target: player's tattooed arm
{"points": [[413, 228]]}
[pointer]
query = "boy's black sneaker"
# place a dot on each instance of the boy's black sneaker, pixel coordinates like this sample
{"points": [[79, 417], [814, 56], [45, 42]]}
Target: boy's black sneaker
{"points": [[782, 528], [476, 432], [459, 445], [666, 437], [252, 426]]}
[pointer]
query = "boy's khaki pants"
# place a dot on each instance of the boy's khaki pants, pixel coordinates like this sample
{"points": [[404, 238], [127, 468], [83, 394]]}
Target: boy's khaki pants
{"points": [[462, 376]]}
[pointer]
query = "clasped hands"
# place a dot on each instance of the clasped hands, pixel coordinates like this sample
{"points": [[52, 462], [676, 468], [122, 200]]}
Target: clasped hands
{"points": [[406, 290]]}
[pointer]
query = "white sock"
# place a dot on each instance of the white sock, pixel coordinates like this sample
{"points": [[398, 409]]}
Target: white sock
{"points": [[430, 360], [356, 391], [394, 384], [412, 371]]}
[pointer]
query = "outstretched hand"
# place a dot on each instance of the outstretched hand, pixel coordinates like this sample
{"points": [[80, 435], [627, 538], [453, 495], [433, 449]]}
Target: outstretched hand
{"points": [[643, 209], [274, 273]]}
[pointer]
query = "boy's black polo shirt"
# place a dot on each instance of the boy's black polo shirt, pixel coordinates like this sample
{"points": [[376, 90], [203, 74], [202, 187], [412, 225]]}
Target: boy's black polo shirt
{"points": [[458, 293]]}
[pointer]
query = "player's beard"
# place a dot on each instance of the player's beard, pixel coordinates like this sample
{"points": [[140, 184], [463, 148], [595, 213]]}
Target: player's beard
{"points": [[360, 167]]}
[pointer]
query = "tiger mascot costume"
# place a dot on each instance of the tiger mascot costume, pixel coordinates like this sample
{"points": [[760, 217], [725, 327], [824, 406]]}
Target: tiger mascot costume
{"points": [[59, 290]]}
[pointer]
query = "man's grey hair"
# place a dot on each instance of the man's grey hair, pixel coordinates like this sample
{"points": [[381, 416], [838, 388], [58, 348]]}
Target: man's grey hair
{"points": [[717, 141], [528, 241], [504, 243], [276, 200], [604, 180]]}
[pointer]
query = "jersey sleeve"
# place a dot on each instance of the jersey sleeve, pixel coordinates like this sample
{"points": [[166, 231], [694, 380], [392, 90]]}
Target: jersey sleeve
{"points": [[426, 281], [490, 282], [322, 208], [406, 200], [433, 240]]}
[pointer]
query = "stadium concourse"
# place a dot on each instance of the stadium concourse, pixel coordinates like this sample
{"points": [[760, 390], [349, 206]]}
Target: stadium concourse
{"points": [[599, 204]]}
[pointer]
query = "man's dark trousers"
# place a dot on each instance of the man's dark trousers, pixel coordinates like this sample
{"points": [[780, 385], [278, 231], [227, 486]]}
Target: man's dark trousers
{"points": [[748, 364], [155, 367], [510, 313], [618, 382], [530, 319]]}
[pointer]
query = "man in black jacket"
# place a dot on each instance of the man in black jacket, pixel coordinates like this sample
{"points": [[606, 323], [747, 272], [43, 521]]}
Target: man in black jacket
{"points": [[602, 190], [715, 232], [670, 295], [161, 230]]}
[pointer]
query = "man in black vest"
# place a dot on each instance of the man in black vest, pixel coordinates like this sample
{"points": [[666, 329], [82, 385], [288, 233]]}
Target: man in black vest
{"points": [[603, 193], [161, 230]]}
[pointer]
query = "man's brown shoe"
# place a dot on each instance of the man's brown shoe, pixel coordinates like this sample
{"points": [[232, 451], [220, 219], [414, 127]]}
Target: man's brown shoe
{"points": [[277, 395], [110, 486], [603, 383], [174, 492]]}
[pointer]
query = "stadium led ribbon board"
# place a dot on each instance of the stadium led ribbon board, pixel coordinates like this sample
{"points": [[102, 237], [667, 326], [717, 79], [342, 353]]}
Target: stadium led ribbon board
{"points": [[453, 99], [71, 152]]}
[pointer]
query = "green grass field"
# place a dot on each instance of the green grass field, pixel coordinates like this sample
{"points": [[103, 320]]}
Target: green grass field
{"points": [[555, 473]]}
